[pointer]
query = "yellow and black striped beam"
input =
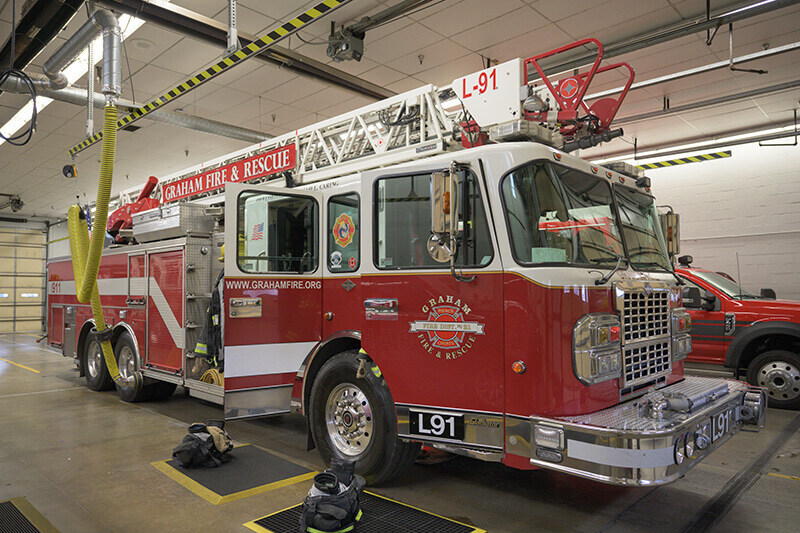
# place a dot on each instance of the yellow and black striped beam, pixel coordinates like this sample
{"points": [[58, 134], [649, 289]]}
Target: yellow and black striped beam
{"points": [[225, 64], [682, 161]]}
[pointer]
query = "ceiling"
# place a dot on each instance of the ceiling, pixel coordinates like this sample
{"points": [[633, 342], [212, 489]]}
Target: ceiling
{"points": [[435, 45]]}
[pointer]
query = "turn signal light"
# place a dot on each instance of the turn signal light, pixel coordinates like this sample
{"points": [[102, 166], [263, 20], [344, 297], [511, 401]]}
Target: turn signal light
{"points": [[518, 367]]}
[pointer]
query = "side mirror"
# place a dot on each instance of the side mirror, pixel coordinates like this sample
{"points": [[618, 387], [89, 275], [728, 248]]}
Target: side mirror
{"points": [[671, 226], [444, 216], [691, 298], [768, 294], [444, 207], [709, 302]]}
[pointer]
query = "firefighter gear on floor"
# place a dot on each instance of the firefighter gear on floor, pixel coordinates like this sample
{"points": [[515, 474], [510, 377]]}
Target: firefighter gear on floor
{"points": [[332, 504], [204, 446]]}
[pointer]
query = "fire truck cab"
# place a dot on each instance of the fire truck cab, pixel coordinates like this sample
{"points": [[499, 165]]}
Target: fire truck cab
{"points": [[510, 301]]}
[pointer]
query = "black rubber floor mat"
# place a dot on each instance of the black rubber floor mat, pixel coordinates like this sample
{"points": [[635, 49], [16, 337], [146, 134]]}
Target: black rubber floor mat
{"points": [[380, 515], [17, 515], [252, 470]]}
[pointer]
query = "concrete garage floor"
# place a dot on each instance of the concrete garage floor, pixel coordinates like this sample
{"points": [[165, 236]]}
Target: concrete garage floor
{"points": [[83, 458]]}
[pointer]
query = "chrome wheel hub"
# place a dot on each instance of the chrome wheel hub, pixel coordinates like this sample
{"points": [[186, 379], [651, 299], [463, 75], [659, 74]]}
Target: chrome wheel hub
{"points": [[127, 363], [94, 359], [348, 418], [781, 379]]}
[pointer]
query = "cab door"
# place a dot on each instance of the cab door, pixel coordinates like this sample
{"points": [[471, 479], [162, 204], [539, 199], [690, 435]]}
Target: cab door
{"points": [[709, 341], [435, 335], [272, 294]]}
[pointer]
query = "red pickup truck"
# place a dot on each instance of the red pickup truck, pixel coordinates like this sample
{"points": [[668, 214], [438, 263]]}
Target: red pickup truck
{"points": [[754, 335]]}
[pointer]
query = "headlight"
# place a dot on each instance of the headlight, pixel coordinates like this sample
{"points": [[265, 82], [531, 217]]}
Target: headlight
{"points": [[596, 349], [681, 339]]}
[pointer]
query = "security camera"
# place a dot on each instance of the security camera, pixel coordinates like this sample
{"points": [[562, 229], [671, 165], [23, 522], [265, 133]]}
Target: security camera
{"points": [[69, 171]]}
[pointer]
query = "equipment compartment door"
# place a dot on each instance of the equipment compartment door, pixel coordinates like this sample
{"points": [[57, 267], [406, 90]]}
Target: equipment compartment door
{"points": [[165, 310], [436, 337], [272, 294]]}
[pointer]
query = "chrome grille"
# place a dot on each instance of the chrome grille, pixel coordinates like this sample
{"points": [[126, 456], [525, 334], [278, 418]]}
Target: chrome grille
{"points": [[644, 360], [645, 319], [645, 316]]}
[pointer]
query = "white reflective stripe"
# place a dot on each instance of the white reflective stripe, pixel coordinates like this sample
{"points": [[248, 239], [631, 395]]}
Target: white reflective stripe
{"points": [[604, 455], [174, 328], [263, 359], [119, 287]]}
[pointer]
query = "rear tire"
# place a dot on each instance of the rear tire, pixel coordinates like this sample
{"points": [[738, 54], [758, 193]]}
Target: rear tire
{"points": [[125, 352], [97, 376], [779, 372], [354, 418]]}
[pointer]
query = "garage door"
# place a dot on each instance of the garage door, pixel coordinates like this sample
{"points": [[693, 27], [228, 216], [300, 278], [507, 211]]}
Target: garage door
{"points": [[22, 280]]}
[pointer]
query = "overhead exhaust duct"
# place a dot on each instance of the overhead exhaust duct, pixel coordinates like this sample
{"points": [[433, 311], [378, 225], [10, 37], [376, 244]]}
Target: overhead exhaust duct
{"points": [[102, 22], [74, 95]]}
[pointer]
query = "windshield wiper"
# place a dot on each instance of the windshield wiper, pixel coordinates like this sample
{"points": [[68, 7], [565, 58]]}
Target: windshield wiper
{"points": [[674, 275], [604, 279]]}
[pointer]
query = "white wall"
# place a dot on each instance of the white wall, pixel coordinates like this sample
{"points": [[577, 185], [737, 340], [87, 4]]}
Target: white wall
{"points": [[748, 203], [57, 241]]}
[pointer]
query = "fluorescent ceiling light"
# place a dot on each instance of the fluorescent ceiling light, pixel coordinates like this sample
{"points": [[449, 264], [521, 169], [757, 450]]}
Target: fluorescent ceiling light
{"points": [[73, 72], [641, 157]]}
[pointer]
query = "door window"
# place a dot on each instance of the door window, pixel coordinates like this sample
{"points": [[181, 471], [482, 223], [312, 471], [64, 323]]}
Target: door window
{"points": [[344, 233], [276, 233], [403, 215]]}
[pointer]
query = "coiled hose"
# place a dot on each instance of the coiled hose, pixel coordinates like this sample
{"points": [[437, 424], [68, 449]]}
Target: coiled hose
{"points": [[86, 254]]}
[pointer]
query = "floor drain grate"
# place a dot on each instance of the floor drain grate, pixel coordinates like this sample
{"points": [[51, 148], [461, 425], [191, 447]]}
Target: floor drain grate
{"points": [[16, 516]]}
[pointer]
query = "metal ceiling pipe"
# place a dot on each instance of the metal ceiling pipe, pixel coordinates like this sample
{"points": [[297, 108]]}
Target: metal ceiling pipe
{"points": [[700, 70], [185, 22], [102, 22], [710, 102], [74, 95], [652, 38]]}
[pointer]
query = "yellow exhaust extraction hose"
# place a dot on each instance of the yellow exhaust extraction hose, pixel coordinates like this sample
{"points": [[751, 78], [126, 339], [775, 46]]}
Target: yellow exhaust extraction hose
{"points": [[86, 254]]}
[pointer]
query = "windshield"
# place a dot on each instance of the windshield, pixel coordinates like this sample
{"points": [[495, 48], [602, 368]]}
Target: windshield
{"points": [[642, 230], [557, 214], [729, 287]]}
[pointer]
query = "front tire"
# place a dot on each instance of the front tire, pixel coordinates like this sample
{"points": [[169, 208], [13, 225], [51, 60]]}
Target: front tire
{"points": [[354, 418], [779, 372], [97, 376]]}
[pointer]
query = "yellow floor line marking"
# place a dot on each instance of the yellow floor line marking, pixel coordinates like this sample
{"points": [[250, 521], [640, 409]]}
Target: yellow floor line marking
{"points": [[784, 476], [217, 499], [19, 365]]}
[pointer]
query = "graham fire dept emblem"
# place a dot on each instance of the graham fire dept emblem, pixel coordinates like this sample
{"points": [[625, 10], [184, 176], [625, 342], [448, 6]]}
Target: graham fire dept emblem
{"points": [[343, 230], [446, 334]]}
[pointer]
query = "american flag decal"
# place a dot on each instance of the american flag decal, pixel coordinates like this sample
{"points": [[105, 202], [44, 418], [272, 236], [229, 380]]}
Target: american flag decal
{"points": [[258, 232]]}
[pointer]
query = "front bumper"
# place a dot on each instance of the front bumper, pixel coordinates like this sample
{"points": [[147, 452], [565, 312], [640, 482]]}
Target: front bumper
{"points": [[646, 441]]}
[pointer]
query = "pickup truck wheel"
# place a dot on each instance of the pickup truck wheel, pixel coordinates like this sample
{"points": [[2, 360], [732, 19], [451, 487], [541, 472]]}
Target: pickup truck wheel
{"points": [[97, 376], [779, 372], [354, 418]]}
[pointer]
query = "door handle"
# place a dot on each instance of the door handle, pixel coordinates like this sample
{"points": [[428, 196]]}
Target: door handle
{"points": [[381, 308]]}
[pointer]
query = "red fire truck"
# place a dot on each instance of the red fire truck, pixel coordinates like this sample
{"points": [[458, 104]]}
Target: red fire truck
{"points": [[495, 297]]}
